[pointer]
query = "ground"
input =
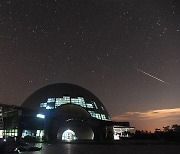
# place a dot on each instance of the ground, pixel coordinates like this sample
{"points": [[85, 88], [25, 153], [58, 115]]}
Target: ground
{"points": [[84, 148]]}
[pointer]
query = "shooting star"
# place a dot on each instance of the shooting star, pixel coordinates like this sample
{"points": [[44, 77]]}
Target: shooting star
{"points": [[152, 76]]}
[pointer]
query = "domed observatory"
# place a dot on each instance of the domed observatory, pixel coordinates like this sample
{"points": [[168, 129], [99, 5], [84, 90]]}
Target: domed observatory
{"points": [[66, 112]]}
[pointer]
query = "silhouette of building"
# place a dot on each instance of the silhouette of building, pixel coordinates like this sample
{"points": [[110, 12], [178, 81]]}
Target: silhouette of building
{"points": [[61, 112]]}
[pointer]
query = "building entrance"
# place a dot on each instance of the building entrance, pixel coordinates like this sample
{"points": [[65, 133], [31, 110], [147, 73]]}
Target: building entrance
{"points": [[68, 135]]}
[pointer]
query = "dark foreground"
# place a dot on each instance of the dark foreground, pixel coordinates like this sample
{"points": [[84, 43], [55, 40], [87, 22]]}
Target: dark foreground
{"points": [[80, 148]]}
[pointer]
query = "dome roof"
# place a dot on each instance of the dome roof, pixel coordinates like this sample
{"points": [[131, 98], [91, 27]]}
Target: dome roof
{"points": [[60, 90]]}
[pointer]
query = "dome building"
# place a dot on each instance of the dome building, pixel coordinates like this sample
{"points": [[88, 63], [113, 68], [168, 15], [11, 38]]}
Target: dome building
{"points": [[66, 112], [56, 95]]}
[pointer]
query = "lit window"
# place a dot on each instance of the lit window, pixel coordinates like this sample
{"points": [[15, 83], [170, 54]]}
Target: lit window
{"points": [[103, 117], [10, 132], [1, 133], [49, 107], [67, 98], [89, 106], [57, 104], [95, 105], [51, 100], [98, 116], [40, 133], [78, 101], [27, 133], [43, 105], [92, 113]]}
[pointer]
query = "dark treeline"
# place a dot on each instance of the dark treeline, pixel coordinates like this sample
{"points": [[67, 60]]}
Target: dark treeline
{"points": [[166, 134]]}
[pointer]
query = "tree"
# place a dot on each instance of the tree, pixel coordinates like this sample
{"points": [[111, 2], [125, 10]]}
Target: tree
{"points": [[166, 128], [176, 128]]}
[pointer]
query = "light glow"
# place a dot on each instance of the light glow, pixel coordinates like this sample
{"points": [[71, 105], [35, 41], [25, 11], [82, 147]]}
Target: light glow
{"points": [[42, 116], [150, 114], [69, 135]]}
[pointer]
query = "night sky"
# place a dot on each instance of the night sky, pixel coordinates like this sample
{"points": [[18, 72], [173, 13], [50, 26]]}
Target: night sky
{"points": [[127, 52]]}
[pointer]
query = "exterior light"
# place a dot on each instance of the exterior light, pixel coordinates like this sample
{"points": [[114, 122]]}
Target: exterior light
{"points": [[69, 135], [42, 116]]}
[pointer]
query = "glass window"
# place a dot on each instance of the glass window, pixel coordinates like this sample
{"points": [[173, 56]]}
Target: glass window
{"points": [[78, 101], [49, 107], [90, 106], [56, 102], [39, 133], [51, 100], [67, 98], [92, 113], [28, 133], [43, 105], [95, 105], [98, 116], [103, 117], [10, 132], [1, 133]]}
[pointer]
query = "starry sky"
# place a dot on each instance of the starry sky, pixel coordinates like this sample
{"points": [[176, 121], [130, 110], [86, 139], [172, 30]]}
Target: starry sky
{"points": [[101, 45]]}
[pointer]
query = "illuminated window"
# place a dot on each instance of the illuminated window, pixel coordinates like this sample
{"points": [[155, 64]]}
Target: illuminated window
{"points": [[28, 133], [53, 103], [82, 102], [51, 100], [59, 102], [90, 106], [40, 133], [11, 132], [43, 105], [50, 106], [67, 98], [103, 117], [95, 105], [78, 101], [116, 136], [98, 116], [1, 133], [92, 113]]}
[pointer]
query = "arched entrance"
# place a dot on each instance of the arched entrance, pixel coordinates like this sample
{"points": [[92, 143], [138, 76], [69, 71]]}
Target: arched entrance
{"points": [[75, 130], [71, 123], [68, 135]]}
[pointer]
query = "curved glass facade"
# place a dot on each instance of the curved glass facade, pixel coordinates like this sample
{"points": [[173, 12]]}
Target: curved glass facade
{"points": [[91, 107]]}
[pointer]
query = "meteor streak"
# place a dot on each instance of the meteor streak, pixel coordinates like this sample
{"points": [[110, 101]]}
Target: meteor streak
{"points": [[152, 76]]}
